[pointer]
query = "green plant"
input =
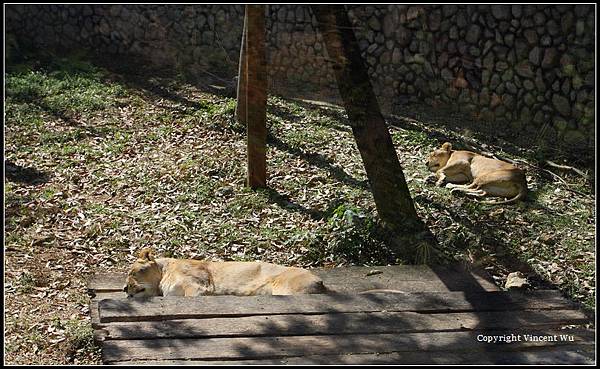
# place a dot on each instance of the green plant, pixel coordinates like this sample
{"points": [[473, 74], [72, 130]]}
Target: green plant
{"points": [[356, 237], [80, 335], [26, 282]]}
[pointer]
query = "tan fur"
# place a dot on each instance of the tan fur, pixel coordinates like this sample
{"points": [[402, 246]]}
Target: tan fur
{"points": [[485, 176], [150, 276]]}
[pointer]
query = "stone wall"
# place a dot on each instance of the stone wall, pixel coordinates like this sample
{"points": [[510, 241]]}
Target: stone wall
{"points": [[526, 67], [170, 35], [530, 66]]}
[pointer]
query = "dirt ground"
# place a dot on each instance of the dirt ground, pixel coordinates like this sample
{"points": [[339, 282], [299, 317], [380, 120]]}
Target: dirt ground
{"points": [[100, 162]]}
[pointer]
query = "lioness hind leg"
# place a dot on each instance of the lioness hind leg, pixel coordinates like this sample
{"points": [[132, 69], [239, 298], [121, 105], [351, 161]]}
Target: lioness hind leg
{"points": [[475, 193], [456, 189], [499, 183], [461, 187]]}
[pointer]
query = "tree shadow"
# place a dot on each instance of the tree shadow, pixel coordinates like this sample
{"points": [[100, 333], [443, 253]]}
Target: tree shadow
{"points": [[163, 82], [492, 231], [335, 113], [319, 161], [69, 118], [285, 202], [29, 176]]}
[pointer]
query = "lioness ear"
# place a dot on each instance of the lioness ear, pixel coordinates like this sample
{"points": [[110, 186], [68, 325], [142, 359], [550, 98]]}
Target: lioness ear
{"points": [[447, 146], [146, 254]]}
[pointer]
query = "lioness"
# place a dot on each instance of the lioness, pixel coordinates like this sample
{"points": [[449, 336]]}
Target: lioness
{"points": [[486, 176], [150, 276]]}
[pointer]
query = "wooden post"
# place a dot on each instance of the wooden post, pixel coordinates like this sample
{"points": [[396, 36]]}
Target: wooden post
{"points": [[256, 95], [390, 191], [242, 105]]}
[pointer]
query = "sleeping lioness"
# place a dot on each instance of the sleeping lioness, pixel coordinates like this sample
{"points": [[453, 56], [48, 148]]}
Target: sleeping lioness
{"points": [[486, 176], [150, 276]]}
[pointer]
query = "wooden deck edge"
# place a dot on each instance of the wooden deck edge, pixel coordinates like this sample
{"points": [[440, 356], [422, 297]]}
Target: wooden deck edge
{"points": [[341, 324], [549, 355]]}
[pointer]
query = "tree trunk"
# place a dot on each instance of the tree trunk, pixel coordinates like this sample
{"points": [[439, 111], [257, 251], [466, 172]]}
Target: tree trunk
{"points": [[390, 191], [256, 95], [242, 82]]}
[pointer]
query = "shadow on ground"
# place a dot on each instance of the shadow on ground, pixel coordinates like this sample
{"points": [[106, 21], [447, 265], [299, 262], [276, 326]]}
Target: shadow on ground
{"points": [[28, 176]]}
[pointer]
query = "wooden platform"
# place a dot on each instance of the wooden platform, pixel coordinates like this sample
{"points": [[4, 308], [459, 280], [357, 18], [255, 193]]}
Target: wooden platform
{"points": [[444, 316]]}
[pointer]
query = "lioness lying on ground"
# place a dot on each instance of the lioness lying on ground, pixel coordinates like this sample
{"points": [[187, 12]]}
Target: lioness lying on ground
{"points": [[151, 276], [487, 176]]}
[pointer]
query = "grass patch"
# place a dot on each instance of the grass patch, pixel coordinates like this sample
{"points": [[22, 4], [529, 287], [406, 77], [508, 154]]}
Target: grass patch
{"points": [[72, 89]]}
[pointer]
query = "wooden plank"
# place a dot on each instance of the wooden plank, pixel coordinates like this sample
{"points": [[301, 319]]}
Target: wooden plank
{"points": [[280, 347], [563, 355], [349, 274], [97, 296], [110, 295], [408, 278], [94, 314], [464, 277], [344, 323], [164, 308], [403, 286], [106, 282]]}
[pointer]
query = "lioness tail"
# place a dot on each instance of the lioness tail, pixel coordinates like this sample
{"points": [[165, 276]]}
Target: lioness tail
{"points": [[519, 196]]}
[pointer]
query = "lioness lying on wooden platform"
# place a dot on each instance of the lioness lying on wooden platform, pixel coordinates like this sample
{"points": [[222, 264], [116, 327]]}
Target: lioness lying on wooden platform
{"points": [[487, 176], [151, 276]]}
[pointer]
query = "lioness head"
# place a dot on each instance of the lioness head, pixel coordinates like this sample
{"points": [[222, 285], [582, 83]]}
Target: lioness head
{"points": [[439, 157], [144, 276]]}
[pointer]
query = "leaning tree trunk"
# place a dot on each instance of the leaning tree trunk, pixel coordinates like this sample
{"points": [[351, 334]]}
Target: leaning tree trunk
{"points": [[241, 105], [390, 191]]}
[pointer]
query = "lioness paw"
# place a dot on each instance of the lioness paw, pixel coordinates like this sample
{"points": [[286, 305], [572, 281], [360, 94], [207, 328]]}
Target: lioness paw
{"points": [[430, 179], [457, 192]]}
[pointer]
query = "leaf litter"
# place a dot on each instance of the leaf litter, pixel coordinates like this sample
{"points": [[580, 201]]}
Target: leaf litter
{"points": [[148, 171]]}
